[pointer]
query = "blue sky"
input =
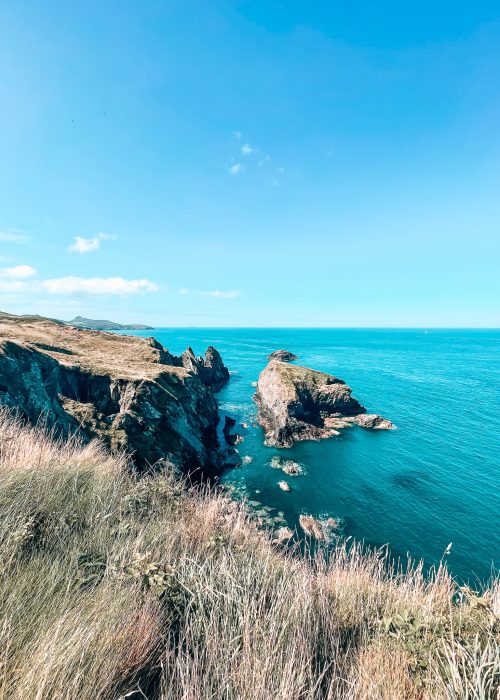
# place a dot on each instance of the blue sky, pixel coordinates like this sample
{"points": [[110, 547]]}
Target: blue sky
{"points": [[252, 162]]}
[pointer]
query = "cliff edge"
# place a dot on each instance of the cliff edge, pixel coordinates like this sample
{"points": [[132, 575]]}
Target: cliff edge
{"points": [[129, 391]]}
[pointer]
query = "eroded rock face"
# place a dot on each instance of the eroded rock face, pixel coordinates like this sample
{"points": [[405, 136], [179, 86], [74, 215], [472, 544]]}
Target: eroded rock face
{"points": [[294, 401], [210, 368], [297, 403], [283, 356], [128, 391]]}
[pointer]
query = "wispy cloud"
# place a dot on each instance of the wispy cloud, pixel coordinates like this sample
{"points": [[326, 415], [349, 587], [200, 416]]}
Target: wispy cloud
{"points": [[89, 245], [13, 237], [237, 135], [97, 285], [215, 293], [236, 168], [246, 149], [74, 285], [18, 272]]}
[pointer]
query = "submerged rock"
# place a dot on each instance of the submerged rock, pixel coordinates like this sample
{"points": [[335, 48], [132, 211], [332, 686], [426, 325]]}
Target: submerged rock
{"points": [[127, 391], [283, 356], [284, 486], [298, 403]]}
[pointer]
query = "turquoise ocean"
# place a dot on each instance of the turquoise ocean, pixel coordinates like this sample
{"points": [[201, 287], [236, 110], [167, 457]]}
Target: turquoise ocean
{"points": [[433, 481]]}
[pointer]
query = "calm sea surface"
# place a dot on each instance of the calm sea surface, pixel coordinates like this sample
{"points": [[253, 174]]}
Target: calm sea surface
{"points": [[434, 480]]}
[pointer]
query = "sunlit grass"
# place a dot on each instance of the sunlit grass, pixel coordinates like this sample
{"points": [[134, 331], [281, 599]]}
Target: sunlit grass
{"points": [[113, 587]]}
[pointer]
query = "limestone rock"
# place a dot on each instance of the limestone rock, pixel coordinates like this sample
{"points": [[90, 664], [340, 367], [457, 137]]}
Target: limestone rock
{"points": [[284, 486]]}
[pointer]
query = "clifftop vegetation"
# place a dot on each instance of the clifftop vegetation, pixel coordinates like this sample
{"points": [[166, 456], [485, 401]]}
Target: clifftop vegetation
{"points": [[119, 587]]}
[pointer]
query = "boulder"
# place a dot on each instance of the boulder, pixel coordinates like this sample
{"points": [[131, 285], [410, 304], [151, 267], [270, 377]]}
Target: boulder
{"points": [[374, 421], [283, 356], [284, 486]]}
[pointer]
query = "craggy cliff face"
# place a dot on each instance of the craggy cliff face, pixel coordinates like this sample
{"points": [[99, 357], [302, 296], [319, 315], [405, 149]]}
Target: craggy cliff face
{"points": [[128, 391], [298, 403]]}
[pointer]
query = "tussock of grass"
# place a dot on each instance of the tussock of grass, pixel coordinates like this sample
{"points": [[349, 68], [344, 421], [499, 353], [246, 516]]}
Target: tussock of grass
{"points": [[113, 587]]}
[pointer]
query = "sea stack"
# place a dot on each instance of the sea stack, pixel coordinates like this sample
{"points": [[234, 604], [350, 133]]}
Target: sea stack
{"points": [[297, 403]]}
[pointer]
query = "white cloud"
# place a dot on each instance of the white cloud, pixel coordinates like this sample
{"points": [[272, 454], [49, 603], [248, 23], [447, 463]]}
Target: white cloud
{"points": [[246, 149], [88, 245], [236, 169], [97, 285], [18, 272], [13, 237]]}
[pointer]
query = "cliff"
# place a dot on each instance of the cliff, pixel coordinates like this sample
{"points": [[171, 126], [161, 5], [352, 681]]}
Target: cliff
{"points": [[128, 391]]}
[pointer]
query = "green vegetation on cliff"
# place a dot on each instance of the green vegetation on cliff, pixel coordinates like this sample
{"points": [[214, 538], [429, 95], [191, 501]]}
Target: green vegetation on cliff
{"points": [[117, 587]]}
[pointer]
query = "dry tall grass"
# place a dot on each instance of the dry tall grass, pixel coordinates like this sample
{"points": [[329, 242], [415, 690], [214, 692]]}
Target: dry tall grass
{"points": [[113, 588]]}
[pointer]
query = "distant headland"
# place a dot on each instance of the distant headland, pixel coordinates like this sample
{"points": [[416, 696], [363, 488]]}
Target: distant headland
{"points": [[103, 325]]}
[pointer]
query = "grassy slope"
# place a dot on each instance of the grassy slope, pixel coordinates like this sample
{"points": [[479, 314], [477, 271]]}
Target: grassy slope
{"points": [[117, 588]]}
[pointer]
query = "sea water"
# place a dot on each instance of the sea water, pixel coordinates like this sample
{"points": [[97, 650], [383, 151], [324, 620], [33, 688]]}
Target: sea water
{"points": [[433, 481]]}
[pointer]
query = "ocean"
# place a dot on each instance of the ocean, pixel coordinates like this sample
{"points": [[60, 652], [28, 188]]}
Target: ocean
{"points": [[433, 481]]}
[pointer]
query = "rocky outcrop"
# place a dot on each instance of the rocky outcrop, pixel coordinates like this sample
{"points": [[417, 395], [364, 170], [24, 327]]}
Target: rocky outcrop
{"points": [[128, 391], [297, 403], [230, 437], [283, 356], [210, 368]]}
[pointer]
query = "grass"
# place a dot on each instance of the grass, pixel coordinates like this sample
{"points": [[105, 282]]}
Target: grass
{"points": [[113, 587]]}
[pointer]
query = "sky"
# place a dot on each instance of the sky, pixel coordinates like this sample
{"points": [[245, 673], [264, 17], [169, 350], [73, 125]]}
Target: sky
{"points": [[251, 162]]}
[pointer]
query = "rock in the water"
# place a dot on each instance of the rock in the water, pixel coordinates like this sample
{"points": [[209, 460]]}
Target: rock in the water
{"points": [[374, 421], [283, 356], [230, 437], [292, 468], [298, 403], [284, 486], [211, 370], [312, 527], [128, 391], [294, 401]]}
